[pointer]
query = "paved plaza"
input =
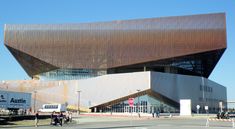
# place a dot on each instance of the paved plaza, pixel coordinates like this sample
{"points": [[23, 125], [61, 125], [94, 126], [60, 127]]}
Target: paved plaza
{"points": [[107, 122]]}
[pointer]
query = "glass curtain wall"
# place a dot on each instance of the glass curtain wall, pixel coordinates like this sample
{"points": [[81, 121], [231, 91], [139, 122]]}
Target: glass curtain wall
{"points": [[147, 104], [71, 74]]}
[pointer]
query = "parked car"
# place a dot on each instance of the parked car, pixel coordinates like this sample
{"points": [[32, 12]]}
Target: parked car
{"points": [[223, 115], [231, 114]]}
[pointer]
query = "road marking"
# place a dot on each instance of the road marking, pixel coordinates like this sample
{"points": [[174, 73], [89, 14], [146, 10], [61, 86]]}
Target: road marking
{"points": [[165, 125], [188, 126]]}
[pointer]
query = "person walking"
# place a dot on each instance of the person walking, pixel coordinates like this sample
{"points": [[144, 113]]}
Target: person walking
{"points": [[52, 117], [66, 120], [157, 113], [36, 119], [153, 111], [61, 116], [153, 114], [70, 116]]}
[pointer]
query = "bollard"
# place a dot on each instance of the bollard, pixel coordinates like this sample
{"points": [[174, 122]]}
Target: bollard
{"points": [[207, 122], [233, 123]]}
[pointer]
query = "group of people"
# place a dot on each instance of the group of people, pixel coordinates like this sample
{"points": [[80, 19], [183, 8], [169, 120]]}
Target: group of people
{"points": [[59, 118], [56, 118], [155, 113]]}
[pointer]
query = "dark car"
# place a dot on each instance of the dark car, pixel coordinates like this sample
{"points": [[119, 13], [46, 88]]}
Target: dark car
{"points": [[231, 114], [223, 115]]}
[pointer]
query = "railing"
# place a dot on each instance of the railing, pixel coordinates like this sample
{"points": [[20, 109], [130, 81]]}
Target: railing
{"points": [[223, 120]]}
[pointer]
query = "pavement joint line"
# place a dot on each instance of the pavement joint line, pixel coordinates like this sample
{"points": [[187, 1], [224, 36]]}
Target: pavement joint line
{"points": [[164, 125]]}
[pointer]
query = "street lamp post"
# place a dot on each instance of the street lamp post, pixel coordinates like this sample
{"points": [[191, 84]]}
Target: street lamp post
{"points": [[79, 101], [35, 96], [138, 104], [5, 84]]}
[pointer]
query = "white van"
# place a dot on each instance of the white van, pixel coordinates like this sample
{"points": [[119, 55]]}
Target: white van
{"points": [[53, 107]]}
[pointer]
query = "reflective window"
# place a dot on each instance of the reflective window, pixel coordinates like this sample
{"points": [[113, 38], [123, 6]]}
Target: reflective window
{"points": [[143, 104], [71, 74]]}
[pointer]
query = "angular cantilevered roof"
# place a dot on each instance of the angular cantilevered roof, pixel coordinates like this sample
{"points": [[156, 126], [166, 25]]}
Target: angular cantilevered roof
{"points": [[105, 45]]}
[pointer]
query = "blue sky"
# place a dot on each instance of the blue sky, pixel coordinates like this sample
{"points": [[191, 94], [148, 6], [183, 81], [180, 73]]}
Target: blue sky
{"points": [[77, 11]]}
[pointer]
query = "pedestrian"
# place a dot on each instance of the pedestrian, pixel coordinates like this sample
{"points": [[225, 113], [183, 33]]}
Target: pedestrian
{"points": [[153, 112], [66, 117], [157, 113], [30, 111], [52, 117], [56, 119], [36, 119], [61, 116], [70, 116]]}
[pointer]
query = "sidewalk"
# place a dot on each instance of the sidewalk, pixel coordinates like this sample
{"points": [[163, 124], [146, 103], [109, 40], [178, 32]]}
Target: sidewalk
{"points": [[134, 116], [89, 119]]}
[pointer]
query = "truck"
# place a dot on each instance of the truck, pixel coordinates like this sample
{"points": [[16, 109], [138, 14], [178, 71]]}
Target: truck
{"points": [[14, 100]]}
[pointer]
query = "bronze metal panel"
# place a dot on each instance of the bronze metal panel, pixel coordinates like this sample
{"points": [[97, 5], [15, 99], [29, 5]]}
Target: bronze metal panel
{"points": [[106, 45]]}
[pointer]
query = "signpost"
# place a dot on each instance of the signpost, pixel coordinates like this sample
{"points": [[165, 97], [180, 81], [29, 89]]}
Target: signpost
{"points": [[206, 108], [221, 106], [198, 107], [131, 102], [185, 107]]}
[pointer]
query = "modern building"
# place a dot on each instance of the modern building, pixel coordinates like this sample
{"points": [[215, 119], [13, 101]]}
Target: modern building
{"points": [[157, 61]]}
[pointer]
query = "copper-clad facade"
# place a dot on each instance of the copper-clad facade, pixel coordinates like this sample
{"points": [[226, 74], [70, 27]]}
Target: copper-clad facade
{"points": [[192, 44]]}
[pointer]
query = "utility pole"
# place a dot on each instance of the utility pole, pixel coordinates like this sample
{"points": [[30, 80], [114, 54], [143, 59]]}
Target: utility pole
{"points": [[79, 101], [35, 96], [5, 84], [138, 105]]}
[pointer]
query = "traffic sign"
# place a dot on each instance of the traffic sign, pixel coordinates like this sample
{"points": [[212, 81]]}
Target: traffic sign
{"points": [[198, 106], [131, 102]]}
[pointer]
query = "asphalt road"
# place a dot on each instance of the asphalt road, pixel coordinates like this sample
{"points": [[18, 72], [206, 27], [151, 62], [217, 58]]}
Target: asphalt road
{"points": [[155, 124]]}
